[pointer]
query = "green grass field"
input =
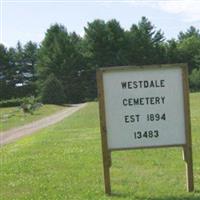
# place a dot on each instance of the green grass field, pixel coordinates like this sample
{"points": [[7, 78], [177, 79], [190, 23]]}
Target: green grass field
{"points": [[14, 116], [64, 162]]}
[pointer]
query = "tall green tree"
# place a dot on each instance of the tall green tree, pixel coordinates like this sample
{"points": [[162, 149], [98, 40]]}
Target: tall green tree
{"points": [[60, 56], [52, 91], [30, 53], [192, 31], [146, 44], [95, 43], [5, 90], [105, 43], [172, 52], [22, 61], [190, 50], [3, 56], [116, 45]]}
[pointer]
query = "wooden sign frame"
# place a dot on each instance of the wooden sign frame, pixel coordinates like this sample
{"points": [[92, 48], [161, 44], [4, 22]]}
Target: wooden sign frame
{"points": [[187, 147]]}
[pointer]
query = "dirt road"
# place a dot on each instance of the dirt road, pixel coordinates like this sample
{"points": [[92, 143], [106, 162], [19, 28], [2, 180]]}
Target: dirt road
{"points": [[16, 133]]}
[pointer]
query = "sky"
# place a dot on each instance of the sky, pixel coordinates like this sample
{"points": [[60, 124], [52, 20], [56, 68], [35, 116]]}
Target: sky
{"points": [[25, 20]]}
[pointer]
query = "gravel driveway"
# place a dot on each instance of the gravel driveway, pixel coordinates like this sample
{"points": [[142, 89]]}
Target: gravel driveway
{"points": [[16, 133]]}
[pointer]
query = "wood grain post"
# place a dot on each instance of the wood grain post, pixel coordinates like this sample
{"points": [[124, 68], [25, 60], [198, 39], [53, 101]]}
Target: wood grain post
{"points": [[188, 147], [189, 170], [106, 154], [106, 167]]}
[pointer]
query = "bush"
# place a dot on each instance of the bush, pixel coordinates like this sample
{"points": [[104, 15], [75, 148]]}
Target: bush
{"points": [[195, 80], [16, 102], [52, 91], [11, 102], [29, 105]]}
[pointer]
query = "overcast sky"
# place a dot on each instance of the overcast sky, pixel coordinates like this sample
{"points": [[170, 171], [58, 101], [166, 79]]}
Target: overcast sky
{"points": [[26, 20]]}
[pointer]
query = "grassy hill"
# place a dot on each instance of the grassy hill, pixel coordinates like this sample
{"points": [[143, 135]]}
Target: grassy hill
{"points": [[64, 162]]}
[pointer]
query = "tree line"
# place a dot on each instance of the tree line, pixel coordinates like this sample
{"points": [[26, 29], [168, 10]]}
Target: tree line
{"points": [[62, 68]]}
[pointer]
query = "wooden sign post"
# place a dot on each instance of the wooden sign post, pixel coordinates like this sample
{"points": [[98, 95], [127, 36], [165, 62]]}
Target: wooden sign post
{"points": [[144, 107]]}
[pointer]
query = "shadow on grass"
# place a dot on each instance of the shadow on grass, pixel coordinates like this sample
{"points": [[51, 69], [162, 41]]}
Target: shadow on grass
{"points": [[168, 197], [69, 105], [171, 198], [174, 198], [119, 195]]}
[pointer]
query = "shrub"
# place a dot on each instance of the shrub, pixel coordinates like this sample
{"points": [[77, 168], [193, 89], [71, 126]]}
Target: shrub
{"points": [[52, 91], [16, 101], [11, 102], [29, 105], [195, 80]]}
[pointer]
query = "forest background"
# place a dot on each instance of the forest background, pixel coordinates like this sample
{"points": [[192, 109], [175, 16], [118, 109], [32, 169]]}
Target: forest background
{"points": [[62, 68]]}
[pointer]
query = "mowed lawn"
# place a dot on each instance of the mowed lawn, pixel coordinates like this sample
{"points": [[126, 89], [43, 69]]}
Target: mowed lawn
{"points": [[13, 117], [64, 162]]}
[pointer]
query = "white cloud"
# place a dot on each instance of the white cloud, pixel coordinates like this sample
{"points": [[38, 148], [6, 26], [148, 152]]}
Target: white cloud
{"points": [[173, 6], [189, 10]]}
